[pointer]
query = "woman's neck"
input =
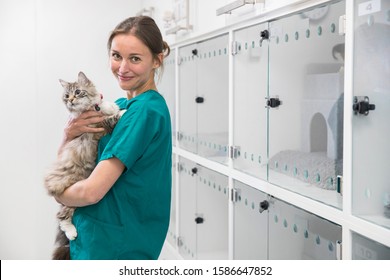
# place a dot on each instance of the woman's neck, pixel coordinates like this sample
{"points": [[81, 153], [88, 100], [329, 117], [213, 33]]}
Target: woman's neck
{"points": [[147, 86], [132, 94]]}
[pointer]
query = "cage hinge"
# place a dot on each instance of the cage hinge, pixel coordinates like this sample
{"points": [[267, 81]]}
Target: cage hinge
{"points": [[339, 184], [180, 167], [234, 195], [180, 242], [179, 136], [342, 25], [234, 152], [339, 249], [236, 47]]}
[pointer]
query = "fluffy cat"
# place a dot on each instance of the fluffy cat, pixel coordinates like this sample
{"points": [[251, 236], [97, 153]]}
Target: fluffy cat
{"points": [[78, 157]]}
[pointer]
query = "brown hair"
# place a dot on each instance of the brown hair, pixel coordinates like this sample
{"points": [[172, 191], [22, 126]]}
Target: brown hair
{"points": [[146, 30]]}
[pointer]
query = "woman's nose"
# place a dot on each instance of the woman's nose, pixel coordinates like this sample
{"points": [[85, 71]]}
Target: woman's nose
{"points": [[123, 67]]}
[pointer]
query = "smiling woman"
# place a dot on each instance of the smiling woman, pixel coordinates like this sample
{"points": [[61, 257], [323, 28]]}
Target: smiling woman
{"points": [[135, 55], [132, 180], [133, 64]]}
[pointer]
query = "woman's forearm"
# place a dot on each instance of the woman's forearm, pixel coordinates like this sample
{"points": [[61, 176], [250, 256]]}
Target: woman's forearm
{"points": [[95, 187], [77, 195]]}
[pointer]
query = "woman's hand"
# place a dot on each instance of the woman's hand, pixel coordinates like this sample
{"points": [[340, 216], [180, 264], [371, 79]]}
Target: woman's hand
{"points": [[82, 124]]}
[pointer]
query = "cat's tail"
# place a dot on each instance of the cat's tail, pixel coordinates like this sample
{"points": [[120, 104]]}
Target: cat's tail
{"points": [[62, 251]]}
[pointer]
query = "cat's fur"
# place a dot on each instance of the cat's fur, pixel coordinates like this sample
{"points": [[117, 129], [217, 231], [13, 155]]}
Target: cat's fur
{"points": [[78, 157]]}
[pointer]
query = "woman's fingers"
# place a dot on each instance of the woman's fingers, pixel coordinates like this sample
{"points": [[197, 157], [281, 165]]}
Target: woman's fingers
{"points": [[84, 123], [90, 114]]}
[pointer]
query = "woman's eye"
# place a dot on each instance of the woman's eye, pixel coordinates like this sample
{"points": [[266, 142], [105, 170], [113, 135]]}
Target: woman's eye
{"points": [[116, 56], [135, 59]]}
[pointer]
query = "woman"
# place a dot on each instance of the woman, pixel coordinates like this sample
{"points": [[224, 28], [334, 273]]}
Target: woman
{"points": [[123, 207]]}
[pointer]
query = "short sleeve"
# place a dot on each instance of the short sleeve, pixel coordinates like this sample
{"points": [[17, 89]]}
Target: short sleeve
{"points": [[132, 135]]}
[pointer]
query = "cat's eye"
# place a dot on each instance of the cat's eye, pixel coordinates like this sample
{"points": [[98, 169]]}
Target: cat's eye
{"points": [[66, 95], [77, 91]]}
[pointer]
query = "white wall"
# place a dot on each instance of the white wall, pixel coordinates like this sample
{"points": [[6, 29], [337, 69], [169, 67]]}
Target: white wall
{"points": [[203, 16], [19, 191], [42, 41]]}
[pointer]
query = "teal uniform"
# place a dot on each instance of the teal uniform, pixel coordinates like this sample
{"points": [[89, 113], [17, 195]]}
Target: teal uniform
{"points": [[132, 219]]}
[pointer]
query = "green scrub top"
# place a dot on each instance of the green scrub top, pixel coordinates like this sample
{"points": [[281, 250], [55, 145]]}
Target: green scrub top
{"points": [[132, 219]]}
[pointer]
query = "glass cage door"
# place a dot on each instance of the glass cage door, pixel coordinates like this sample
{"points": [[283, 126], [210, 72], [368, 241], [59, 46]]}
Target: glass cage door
{"points": [[204, 200], [172, 235], [213, 98], [187, 209], [250, 82], [212, 215], [204, 97], [306, 85], [188, 120], [371, 129], [250, 223], [295, 234], [367, 249]]}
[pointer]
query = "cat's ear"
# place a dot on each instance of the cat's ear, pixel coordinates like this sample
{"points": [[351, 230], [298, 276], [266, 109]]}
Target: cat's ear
{"points": [[63, 83], [83, 79]]}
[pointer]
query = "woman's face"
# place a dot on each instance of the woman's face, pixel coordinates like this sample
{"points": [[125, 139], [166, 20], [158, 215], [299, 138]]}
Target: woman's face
{"points": [[132, 64]]}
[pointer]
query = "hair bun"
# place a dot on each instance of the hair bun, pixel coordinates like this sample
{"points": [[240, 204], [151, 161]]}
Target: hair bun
{"points": [[166, 49]]}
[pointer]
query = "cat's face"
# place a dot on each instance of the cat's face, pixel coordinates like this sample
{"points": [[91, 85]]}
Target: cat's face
{"points": [[80, 96]]}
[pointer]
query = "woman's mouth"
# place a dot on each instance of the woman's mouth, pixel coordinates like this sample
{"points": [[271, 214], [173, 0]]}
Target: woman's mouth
{"points": [[124, 78]]}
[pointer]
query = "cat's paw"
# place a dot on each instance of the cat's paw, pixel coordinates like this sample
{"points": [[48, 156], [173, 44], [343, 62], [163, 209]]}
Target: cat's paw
{"points": [[71, 233], [121, 112], [109, 123], [69, 230]]}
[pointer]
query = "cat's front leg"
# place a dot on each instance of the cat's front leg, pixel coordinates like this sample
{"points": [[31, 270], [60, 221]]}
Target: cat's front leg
{"points": [[65, 216], [110, 122]]}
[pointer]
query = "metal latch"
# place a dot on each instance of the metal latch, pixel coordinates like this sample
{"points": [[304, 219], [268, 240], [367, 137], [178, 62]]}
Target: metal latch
{"points": [[361, 105], [264, 36], [263, 206], [194, 171], [273, 102], [199, 99], [199, 219]]}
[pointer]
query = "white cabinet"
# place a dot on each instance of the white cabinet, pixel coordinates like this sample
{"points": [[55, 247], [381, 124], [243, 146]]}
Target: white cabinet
{"points": [[280, 152]]}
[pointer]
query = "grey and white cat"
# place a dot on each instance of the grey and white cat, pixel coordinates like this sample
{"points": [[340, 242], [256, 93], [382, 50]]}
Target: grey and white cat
{"points": [[78, 157]]}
